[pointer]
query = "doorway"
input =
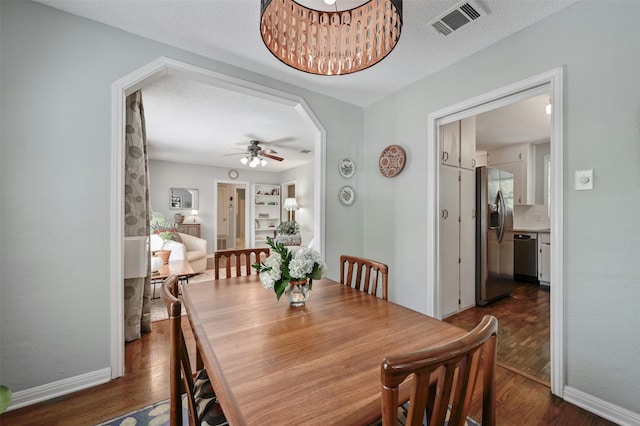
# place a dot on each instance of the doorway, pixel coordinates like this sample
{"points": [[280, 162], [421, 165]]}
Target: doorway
{"points": [[549, 82], [138, 80], [231, 216], [289, 192]]}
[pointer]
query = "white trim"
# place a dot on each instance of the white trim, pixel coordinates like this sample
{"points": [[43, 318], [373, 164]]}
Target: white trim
{"points": [[551, 82], [137, 80], [604, 409], [48, 391]]}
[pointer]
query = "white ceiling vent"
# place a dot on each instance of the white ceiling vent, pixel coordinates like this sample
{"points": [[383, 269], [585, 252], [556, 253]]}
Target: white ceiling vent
{"points": [[458, 16]]}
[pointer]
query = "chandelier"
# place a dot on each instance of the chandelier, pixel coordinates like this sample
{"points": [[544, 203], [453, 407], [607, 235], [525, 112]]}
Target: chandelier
{"points": [[330, 42]]}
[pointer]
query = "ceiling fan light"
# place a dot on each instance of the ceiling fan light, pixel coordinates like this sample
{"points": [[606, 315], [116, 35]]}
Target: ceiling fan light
{"points": [[363, 35], [254, 162], [263, 162], [244, 160]]}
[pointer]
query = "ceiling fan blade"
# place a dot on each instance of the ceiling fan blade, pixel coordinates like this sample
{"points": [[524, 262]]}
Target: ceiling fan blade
{"points": [[237, 153], [273, 157]]}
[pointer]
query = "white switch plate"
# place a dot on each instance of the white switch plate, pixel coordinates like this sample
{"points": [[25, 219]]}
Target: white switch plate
{"points": [[584, 180]]}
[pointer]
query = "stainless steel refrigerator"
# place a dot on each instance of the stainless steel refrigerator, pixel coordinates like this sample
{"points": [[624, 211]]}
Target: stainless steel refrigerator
{"points": [[494, 234]]}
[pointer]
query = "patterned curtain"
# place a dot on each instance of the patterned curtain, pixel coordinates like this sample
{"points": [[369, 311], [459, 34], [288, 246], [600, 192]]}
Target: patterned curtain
{"points": [[137, 291]]}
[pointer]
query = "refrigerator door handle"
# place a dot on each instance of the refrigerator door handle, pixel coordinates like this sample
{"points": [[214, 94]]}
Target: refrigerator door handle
{"points": [[502, 215]]}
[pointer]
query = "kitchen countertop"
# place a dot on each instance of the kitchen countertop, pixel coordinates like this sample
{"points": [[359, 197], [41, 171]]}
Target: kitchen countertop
{"points": [[531, 230]]}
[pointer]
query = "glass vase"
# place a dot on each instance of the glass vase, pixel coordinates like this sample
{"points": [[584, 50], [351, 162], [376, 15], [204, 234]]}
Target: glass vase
{"points": [[297, 292]]}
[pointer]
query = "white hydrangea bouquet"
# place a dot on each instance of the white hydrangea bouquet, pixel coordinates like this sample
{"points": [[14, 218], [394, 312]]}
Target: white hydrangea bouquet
{"points": [[282, 267]]}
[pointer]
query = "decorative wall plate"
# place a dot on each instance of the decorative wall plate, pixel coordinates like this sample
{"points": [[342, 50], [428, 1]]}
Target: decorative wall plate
{"points": [[391, 161], [346, 195], [346, 168]]}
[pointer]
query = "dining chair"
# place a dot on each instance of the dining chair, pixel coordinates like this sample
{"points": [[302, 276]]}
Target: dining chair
{"points": [[241, 259], [375, 273], [203, 407], [444, 379]]}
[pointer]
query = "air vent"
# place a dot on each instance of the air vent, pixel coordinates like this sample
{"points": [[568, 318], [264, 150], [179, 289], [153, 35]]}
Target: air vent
{"points": [[458, 16]]}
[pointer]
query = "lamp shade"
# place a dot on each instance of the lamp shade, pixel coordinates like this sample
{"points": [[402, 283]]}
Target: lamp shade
{"points": [[330, 42], [290, 204]]}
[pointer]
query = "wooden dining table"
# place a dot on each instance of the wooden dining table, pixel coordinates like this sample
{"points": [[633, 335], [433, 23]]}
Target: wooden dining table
{"points": [[272, 364]]}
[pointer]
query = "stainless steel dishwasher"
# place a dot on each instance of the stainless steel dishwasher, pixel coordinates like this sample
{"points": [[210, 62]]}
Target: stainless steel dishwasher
{"points": [[525, 256]]}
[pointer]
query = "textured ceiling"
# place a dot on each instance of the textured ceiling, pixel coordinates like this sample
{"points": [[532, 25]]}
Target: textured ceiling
{"points": [[192, 122], [228, 31]]}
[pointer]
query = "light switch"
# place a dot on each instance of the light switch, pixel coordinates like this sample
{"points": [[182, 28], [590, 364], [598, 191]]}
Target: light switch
{"points": [[584, 180]]}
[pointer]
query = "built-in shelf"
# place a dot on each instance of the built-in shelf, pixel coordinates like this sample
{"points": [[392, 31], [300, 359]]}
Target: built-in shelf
{"points": [[266, 213]]}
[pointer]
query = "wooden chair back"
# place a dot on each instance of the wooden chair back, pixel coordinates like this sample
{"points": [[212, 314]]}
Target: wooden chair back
{"points": [[444, 376], [364, 274], [240, 259], [180, 372]]}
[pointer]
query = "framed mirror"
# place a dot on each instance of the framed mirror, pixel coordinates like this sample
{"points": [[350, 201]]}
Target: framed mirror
{"points": [[183, 198]]}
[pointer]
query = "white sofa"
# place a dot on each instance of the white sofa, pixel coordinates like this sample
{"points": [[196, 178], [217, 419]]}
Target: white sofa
{"points": [[193, 249]]}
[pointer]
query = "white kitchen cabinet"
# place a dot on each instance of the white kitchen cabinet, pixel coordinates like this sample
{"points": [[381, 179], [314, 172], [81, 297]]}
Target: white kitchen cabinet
{"points": [[508, 154], [468, 143], [457, 239], [467, 239], [450, 144], [515, 159], [458, 143], [516, 169], [449, 240], [544, 258], [265, 213], [481, 159]]}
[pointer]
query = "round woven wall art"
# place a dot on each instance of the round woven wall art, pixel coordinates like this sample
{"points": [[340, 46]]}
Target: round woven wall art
{"points": [[392, 161]]}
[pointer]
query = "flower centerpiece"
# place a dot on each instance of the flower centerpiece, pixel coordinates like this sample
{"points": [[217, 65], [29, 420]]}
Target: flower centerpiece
{"points": [[289, 273]]}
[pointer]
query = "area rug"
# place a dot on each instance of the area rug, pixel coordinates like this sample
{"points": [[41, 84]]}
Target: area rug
{"points": [[153, 415], [158, 415]]}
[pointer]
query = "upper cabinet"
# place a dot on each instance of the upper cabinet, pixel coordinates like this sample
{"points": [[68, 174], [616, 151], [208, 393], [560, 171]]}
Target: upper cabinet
{"points": [[458, 143], [516, 159]]}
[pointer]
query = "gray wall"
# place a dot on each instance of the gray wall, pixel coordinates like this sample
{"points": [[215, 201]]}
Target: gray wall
{"points": [[165, 175], [56, 75], [601, 227]]}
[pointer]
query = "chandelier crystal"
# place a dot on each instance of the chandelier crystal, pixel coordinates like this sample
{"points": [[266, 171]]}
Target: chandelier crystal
{"points": [[330, 43]]}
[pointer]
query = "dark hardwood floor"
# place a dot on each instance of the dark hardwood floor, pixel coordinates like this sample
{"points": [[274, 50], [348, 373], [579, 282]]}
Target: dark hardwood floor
{"points": [[519, 400], [523, 330]]}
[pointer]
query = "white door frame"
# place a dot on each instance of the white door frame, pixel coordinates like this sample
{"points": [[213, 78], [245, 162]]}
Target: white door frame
{"points": [[140, 78], [552, 81]]}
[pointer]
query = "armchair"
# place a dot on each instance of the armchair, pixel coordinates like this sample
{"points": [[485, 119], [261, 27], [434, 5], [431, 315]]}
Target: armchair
{"points": [[191, 248], [196, 251]]}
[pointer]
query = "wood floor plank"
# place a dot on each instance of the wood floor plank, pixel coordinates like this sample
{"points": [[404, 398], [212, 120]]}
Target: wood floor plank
{"points": [[523, 329]]}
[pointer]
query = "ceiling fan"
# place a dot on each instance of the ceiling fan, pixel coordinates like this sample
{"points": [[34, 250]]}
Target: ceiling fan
{"points": [[255, 154]]}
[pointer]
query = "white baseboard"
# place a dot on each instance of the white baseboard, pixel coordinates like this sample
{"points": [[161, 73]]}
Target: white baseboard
{"points": [[602, 408], [59, 388]]}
